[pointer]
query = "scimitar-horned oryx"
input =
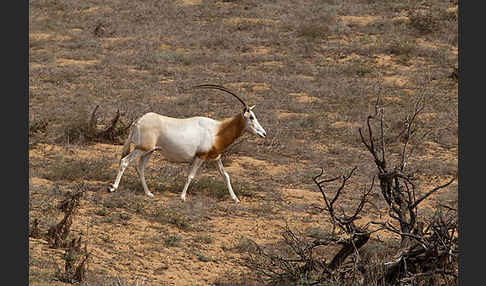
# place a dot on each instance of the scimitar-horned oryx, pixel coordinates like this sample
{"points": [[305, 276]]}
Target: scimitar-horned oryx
{"points": [[195, 139]]}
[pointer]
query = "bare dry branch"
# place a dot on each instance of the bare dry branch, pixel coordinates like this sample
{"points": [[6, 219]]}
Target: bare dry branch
{"points": [[419, 106], [363, 200], [343, 220], [431, 192], [92, 121]]}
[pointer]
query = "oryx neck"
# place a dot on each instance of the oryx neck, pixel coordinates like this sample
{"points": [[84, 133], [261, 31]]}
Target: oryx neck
{"points": [[231, 128], [228, 131]]}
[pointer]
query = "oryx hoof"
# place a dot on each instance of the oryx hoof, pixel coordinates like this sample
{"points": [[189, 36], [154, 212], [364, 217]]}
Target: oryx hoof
{"points": [[111, 188], [149, 194]]}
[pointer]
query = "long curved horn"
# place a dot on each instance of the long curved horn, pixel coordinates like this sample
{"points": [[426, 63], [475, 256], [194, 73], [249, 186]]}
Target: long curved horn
{"points": [[213, 86]]}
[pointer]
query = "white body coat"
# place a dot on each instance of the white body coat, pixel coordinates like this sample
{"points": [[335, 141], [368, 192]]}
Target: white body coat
{"points": [[179, 140]]}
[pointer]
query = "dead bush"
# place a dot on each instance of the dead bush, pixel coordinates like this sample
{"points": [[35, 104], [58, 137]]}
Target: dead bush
{"points": [[75, 262], [34, 230], [426, 253], [423, 21], [75, 257], [37, 126], [57, 234], [37, 131], [79, 129]]}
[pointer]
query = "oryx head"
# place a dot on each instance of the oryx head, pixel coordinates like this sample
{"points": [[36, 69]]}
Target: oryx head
{"points": [[252, 123]]}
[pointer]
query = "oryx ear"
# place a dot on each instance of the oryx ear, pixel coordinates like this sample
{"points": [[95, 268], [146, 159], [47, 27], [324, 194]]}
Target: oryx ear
{"points": [[251, 107]]}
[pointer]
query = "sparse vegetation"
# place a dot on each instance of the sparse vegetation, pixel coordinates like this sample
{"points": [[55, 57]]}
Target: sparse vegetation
{"points": [[424, 21], [313, 70], [170, 216], [78, 169], [204, 238], [173, 240], [204, 258]]}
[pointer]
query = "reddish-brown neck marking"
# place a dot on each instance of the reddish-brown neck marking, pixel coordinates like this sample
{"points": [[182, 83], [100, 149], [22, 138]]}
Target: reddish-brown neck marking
{"points": [[229, 130]]}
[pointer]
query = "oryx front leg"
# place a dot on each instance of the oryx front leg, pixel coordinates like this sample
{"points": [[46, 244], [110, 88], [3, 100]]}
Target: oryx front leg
{"points": [[124, 162], [225, 175], [195, 165]]}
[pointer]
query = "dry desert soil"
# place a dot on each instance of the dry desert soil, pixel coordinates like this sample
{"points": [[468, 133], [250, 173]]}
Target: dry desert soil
{"points": [[314, 70]]}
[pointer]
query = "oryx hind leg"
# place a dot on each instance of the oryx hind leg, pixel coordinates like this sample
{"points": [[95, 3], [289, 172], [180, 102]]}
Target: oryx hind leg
{"points": [[192, 173], [141, 170], [124, 162]]}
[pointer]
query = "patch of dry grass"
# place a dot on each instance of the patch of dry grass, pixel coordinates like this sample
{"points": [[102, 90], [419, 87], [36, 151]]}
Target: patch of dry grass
{"points": [[78, 169]]}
